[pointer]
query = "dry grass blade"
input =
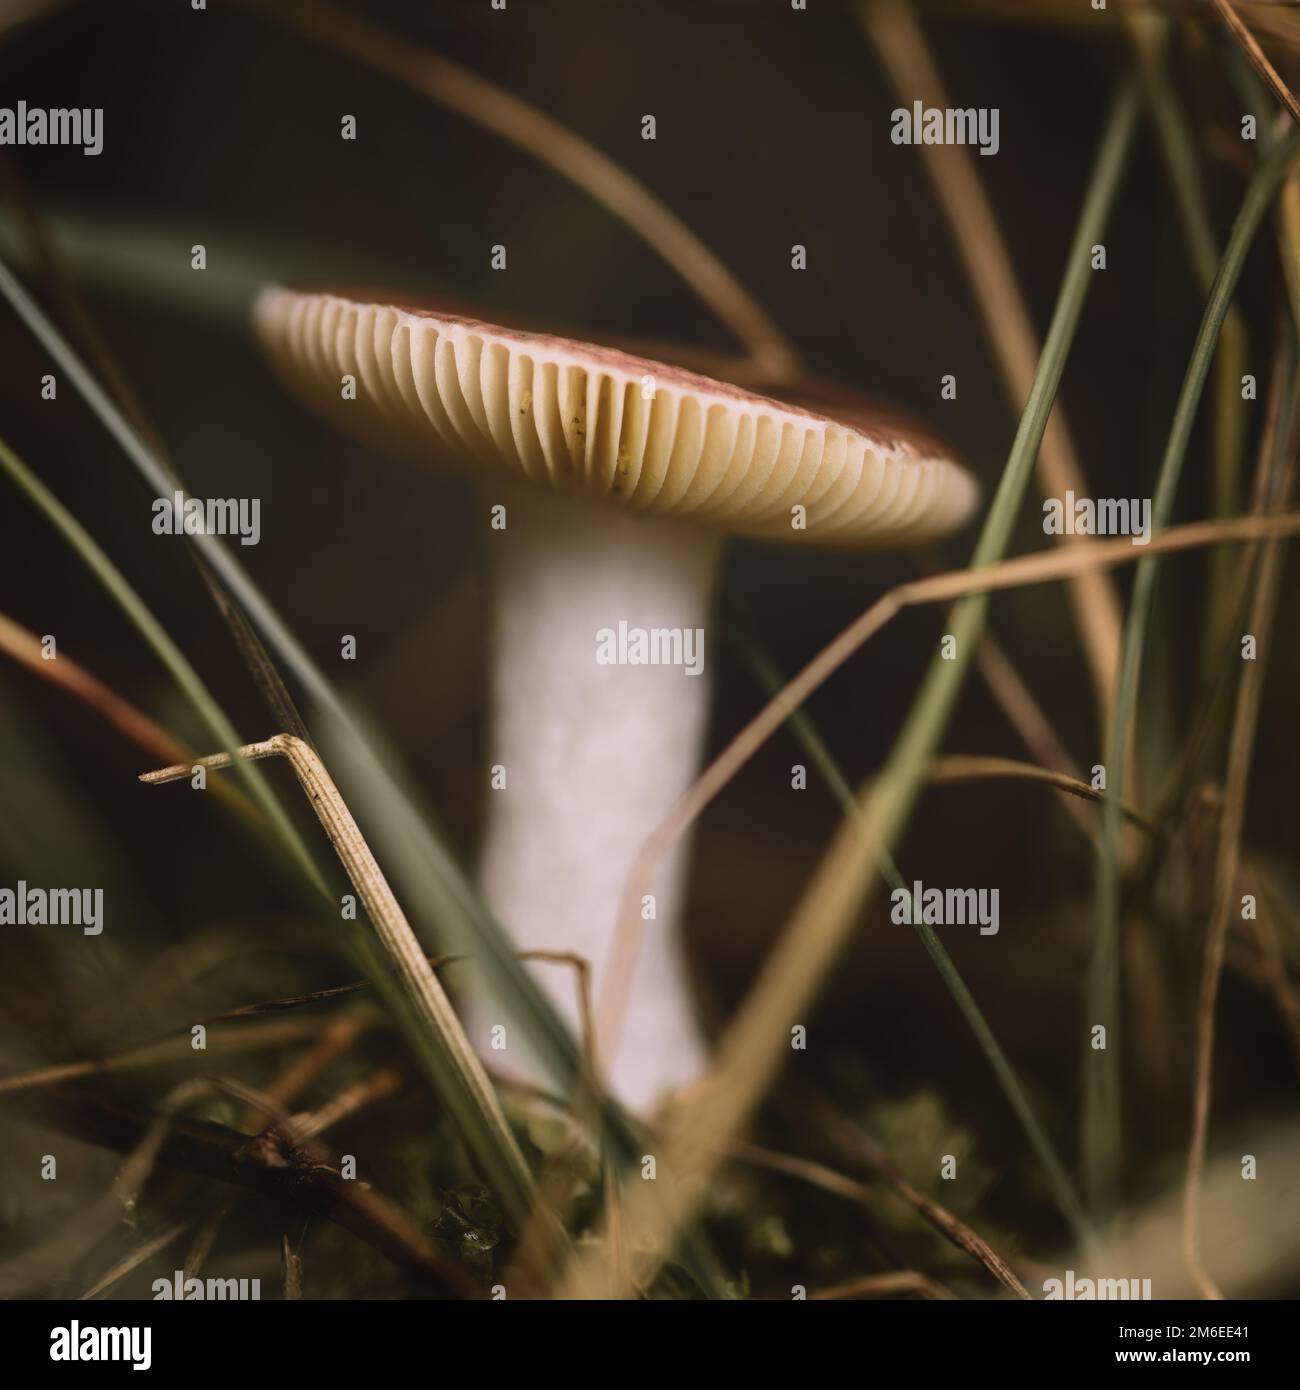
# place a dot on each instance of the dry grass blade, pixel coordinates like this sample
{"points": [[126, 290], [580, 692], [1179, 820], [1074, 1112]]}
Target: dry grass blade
{"points": [[336, 1038], [556, 146], [292, 1266], [806, 1170], [1227, 863], [416, 855], [901, 46], [1029, 720], [890, 1285], [943, 1221], [941, 685], [205, 1238], [25, 648], [379, 1086], [273, 1170], [221, 1042], [853, 1141], [1038, 568], [33, 1268], [1259, 59], [321, 996], [476, 1108], [796, 966], [820, 755], [140, 1255], [1103, 1110], [955, 767], [1267, 16]]}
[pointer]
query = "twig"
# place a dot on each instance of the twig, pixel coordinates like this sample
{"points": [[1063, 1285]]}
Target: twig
{"points": [[864, 1150], [379, 1086], [855, 1144], [271, 1168], [335, 1039], [171, 1049]]}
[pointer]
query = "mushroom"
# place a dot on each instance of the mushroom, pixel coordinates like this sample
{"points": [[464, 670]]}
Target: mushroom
{"points": [[618, 477]]}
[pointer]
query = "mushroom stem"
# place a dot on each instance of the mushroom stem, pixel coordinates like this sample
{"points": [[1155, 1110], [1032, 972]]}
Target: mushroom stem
{"points": [[594, 755]]}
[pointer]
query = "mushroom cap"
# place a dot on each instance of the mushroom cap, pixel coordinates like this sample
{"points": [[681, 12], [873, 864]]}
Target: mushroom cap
{"points": [[603, 425]]}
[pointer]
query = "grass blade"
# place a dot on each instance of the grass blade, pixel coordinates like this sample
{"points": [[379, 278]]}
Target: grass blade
{"points": [[443, 903], [1059, 1184], [1102, 1137], [153, 632], [757, 1037], [900, 45], [455, 1067]]}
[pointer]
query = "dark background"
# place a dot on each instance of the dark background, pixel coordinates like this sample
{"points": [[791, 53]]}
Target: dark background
{"points": [[773, 128]]}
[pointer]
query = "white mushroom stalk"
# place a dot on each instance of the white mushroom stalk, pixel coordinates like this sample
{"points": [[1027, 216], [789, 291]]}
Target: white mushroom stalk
{"points": [[618, 477], [601, 675]]}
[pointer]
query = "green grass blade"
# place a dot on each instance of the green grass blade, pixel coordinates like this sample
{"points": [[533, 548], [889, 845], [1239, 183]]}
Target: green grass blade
{"points": [[1058, 1180], [1103, 1140], [441, 1057], [147, 625], [753, 1045], [443, 906], [416, 856], [1182, 165]]}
